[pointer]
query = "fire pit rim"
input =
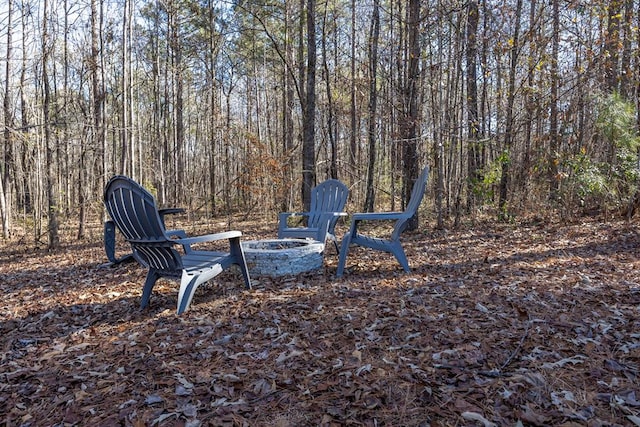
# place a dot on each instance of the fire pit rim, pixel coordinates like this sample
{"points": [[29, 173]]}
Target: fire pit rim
{"points": [[307, 255]]}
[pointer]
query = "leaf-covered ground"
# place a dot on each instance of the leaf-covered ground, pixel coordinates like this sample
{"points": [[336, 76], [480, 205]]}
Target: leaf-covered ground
{"points": [[497, 325]]}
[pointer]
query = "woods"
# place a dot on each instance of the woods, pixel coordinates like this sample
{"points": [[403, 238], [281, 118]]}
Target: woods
{"points": [[239, 106], [521, 304]]}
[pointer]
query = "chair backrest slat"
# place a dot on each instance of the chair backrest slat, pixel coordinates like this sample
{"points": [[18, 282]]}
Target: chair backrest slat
{"points": [[125, 206], [328, 196], [417, 193]]}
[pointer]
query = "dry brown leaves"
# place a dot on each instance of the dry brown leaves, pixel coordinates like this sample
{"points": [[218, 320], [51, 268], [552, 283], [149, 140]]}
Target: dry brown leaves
{"points": [[496, 326]]}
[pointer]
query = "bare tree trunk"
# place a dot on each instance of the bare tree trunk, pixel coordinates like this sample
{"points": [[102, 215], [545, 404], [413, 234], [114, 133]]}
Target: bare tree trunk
{"points": [[288, 105], [627, 69], [611, 56], [125, 159], [509, 121], [397, 70], [612, 43], [178, 97], [26, 200], [132, 134], [309, 111], [530, 103], [62, 149], [52, 201], [352, 105], [4, 211], [100, 112], [97, 132], [474, 153], [374, 35], [409, 136], [213, 51], [553, 114], [5, 184], [95, 119], [331, 119], [159, 109]]}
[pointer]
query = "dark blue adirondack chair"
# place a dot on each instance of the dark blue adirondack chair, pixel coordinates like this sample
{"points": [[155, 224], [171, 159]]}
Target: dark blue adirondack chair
{"points": [[392, 244], [328, 200], [133, 210]]}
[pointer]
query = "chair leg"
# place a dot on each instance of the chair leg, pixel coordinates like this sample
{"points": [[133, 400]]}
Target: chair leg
{"points": [[110, 240], [344, 251], [398, 252], [189, 282], [333, 238], [238, 256], [188, 285], [152, 278]]}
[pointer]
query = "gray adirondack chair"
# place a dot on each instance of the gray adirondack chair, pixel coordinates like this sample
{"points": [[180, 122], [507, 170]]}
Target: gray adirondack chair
{"points": [[392, 244], [133, 210], [328, 200]]}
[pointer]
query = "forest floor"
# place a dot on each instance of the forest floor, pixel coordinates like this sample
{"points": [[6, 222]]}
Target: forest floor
{"points": [[497, 325]]}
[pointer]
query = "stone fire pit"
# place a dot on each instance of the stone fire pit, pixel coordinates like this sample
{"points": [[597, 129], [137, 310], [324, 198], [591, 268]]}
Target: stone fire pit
{"points": [[281, 257]]}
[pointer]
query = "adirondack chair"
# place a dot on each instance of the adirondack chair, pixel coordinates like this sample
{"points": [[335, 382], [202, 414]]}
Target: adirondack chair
{"points": [[328, 200], [392, 244], [133, 210]]}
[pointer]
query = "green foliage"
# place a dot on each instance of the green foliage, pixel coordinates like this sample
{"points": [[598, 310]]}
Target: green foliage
{"points": [[608, 183], [616, 122], [484, 186], [587, 179]]}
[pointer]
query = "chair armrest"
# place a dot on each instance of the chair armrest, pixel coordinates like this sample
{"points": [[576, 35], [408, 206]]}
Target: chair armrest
{"points": [[294, 214], [329, 216], [366, 216], [209, 237], [373, 216], [283, 219]]}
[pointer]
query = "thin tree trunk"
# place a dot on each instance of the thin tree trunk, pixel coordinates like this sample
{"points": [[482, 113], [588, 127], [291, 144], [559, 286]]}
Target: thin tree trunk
{"points": [[612, 43], [553, 114], [5, 184], [97, 131], [397, 69], [331, 120], [125, 149], [52, 202], [179, 108], [530, 103], [509, 121], [474, 162], [27, 200], [373, 101], [128, 63], [308, 138], [63, 147], [213, 140], [288, 96], [352, 101], [101, 130], [627, 69], [410, 134]]}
